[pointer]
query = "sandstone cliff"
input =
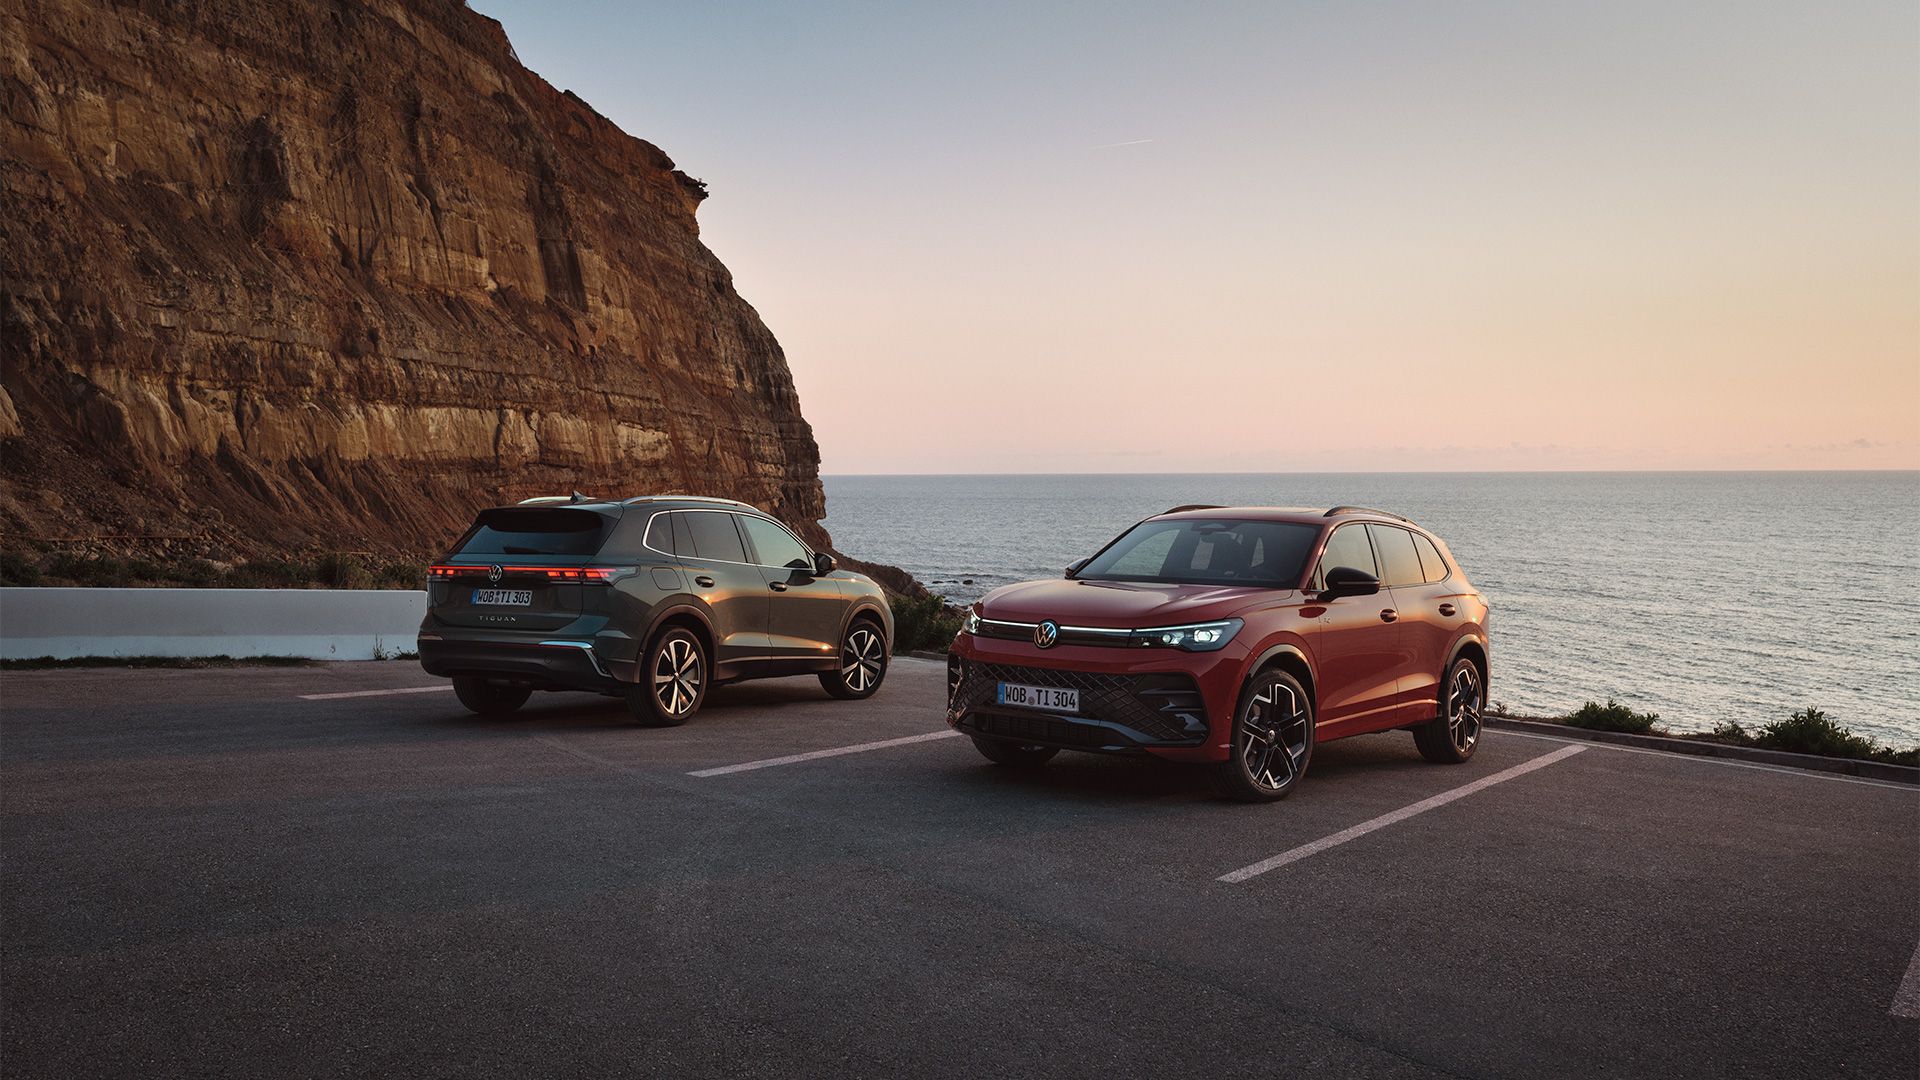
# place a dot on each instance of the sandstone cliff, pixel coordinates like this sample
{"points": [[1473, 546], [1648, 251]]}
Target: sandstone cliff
{"points": [[306, 273]]}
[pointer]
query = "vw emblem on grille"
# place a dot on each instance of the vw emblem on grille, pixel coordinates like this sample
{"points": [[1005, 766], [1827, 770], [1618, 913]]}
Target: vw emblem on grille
{"points": [[1046, 635], [494, 572]]}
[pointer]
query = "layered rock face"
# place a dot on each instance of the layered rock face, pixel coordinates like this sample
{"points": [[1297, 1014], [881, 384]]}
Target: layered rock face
{"points": [[307, 273]]}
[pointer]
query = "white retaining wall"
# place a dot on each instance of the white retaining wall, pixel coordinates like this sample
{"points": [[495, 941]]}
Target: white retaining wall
{"points": [[319, 624]]}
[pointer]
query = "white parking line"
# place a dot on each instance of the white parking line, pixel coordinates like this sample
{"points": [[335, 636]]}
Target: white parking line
{"points": [[1402, 814], [857, 748], [1906, 1000], [375, 693]]}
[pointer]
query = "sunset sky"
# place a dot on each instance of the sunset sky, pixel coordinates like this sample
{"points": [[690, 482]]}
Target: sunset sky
{"points": [[1287, 236]]}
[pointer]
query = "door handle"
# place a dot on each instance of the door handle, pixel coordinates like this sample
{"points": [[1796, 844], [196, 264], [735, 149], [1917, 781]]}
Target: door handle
{"points": [[703, 581], [1388, 615], [1447, 610], [778, 586]]}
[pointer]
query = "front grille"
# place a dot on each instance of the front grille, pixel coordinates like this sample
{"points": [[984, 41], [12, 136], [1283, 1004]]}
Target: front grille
{"points": [[1155, 709]]}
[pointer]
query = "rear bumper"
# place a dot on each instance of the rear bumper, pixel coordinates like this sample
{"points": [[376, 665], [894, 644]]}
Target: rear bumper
{"points": [[548, 662]]}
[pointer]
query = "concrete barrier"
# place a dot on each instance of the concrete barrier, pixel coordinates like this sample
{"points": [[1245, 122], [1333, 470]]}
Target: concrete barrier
{"points": [[318, 624]]}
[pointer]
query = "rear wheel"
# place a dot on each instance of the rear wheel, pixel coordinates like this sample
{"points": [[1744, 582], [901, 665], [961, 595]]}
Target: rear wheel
{"points": [[863, 663], [1016, 755], [673, 681], [1451, 737], [1272, 740], [489, 699]]}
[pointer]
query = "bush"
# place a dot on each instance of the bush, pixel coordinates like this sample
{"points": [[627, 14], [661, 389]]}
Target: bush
{"points": [[1612, 716], [1810, 732], [402, 576], [18, 569], [927, 623], [339, 570]]}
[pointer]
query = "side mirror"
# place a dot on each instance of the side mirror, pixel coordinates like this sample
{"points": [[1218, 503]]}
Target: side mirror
{"points": [[1074, 566], [1348, 581], [823, 564]]}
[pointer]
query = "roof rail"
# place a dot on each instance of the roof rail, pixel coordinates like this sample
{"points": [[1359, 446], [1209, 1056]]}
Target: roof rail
{"points": [[1193, 506], [1339, 510], [693, 499]]}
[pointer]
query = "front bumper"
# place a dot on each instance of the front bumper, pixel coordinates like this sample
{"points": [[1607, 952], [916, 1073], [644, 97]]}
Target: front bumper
{"points": [[1164, 702], [548, 662]]}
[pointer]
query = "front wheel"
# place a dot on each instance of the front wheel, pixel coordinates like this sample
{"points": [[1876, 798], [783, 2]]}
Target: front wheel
{"points": [[1272, 740], [489, 699], [863, 663], [1014, 755], [673, 681], [1451, 737]]}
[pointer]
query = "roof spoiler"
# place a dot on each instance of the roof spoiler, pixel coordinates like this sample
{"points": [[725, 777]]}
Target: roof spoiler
{"points": [[1193, 506], [1339, 510], [549, 500]]}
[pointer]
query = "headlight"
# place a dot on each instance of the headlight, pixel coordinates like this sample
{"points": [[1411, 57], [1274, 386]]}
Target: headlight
{"points": [[972, 625], [1197, 637]]}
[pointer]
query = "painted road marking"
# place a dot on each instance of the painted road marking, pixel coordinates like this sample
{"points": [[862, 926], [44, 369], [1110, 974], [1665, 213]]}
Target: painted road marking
{"points": [[1397, 816], [1906, 1000], [1783, 770], [376, 693], [790, 759]]}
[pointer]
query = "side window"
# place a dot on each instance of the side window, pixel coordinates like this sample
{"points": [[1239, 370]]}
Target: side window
{"points": [[1430, 560], [660, 534], [1397, 556], [773, 545], [682, 535], [714, 536], [1348, 547]]}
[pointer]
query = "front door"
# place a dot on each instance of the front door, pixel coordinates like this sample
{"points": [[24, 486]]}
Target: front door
{"points": [[1357, 648]]}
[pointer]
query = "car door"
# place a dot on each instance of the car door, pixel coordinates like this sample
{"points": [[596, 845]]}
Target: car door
{"points": [[1402, 576], [714, 560], [1431, 615], [1357, 646], [804, 611]]}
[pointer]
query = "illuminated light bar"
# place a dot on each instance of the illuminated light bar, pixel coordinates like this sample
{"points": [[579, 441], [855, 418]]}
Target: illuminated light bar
{"points": [[551, 573]]}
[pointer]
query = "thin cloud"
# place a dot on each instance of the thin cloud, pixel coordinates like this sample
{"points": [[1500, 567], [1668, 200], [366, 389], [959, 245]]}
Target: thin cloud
{"points": [[1129, 142]]}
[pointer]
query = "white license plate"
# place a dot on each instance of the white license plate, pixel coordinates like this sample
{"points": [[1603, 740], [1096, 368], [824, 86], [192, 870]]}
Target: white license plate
{"points": [[1051, 698], [503, 597]]}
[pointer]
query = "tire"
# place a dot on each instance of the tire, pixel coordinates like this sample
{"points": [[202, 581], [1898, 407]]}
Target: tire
{"points": [[487, 699], [1451, 737], [1272, 740], [1014, 755], [673, 680], [863, 662]]}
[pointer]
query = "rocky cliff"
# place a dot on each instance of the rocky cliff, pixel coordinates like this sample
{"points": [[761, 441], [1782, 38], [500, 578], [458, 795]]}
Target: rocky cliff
{"points": [[327, 273]]}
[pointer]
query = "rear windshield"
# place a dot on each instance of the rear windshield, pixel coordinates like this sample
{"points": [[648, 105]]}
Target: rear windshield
{"points": [[1207, 552], [535, 531]]}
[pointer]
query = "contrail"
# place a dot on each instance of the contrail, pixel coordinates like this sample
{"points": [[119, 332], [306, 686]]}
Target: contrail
{"points": [[1129, 142]]}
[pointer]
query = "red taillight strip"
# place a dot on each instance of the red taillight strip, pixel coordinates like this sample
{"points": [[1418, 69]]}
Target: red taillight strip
{"points": [[551, 573]]}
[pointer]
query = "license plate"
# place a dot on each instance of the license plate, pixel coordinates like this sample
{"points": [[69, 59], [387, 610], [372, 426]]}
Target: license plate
{"points": [[503, 597], [1050, 698]]}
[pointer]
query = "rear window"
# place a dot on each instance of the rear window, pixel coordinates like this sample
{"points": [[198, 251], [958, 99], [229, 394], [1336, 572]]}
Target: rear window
{"points": [[536, 531]]}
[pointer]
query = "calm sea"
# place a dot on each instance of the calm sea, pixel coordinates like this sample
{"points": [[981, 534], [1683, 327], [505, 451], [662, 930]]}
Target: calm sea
{"points": [[1702, 596]]}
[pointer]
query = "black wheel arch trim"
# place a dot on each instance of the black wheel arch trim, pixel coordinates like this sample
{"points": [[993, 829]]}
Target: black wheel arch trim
{"points": [[1287, 648], [867, 607], [662, 617], [1486, 658]]}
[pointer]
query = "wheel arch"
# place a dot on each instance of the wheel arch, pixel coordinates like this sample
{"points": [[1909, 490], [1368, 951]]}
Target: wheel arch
{"points": [[1470, 648], [865, 608], [1293, 660], [680, 615]]}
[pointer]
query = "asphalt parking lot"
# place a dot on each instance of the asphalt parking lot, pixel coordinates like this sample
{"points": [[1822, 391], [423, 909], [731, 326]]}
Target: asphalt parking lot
{"points": [[212, 873]]}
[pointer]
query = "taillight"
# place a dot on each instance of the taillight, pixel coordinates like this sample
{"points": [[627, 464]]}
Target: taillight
{"points": [[584, 574]]}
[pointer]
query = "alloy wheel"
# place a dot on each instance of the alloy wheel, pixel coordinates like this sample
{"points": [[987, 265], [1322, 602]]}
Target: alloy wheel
{"points": [[1274, 729], [677, 676], [1463, 708], [861, 658]]}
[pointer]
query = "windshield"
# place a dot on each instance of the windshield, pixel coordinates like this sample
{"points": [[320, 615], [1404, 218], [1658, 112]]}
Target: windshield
{"points": [[1210, 551], [535, 532]]}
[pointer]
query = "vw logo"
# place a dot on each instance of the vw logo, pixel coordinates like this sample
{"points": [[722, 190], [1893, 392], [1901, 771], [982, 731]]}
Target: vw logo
{"points": [[1046, 634], [493, 573]]}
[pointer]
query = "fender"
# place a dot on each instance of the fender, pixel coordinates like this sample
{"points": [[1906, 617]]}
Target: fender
{"points": [[862, 605], [1471, 637], [1297, 650], [699, 616]]}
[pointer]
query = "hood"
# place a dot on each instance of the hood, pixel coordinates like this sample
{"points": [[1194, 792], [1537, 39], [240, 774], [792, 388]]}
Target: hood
{"points": [[1118, 604]]}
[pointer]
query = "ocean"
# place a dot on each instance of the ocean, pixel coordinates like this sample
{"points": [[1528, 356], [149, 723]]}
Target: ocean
{"points": [[1704, 597]]}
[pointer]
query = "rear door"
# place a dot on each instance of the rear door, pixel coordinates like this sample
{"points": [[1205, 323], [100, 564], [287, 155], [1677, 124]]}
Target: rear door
{"points": [[499, 576], [805, 610], [713, 558], [1357, 651], [1431, 614], [1402, 575]]}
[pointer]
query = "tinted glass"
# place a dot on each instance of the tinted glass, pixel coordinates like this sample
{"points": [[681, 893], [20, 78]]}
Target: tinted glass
{"points": [[714, 536], [1207, 552], [1430, 560], [514, 531], [1348, 547], [660, 534], [773, 545], [682, 535], [1397, 555]]}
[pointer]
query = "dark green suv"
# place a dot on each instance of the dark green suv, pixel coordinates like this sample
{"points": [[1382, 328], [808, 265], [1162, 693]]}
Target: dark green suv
{"points": [[653, 599]]}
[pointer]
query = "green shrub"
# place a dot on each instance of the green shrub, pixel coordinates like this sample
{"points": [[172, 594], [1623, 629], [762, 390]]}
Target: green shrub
{"points": [[402, 576], [339, 570], [269, 574], [926, 623], [195, 572], [18, 569], [1612, 716]]}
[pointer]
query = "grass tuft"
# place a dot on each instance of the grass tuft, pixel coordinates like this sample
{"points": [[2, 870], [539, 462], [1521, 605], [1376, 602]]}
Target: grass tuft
{"points": [[1612, 716]]}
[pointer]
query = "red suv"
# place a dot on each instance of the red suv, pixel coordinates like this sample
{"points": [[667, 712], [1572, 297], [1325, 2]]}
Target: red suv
{"points": [[1234, 637]]}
